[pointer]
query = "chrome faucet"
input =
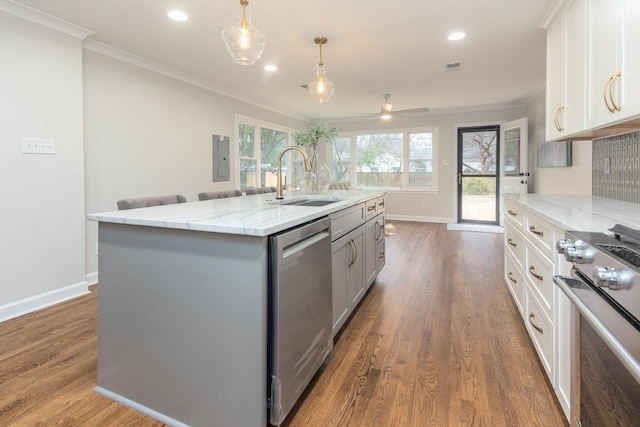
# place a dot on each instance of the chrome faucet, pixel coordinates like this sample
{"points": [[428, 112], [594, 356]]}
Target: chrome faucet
{"points": [[307, 166]]}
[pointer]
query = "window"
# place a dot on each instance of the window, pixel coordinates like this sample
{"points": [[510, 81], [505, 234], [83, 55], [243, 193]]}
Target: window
{"points": [[258, 150], [401, 160]]}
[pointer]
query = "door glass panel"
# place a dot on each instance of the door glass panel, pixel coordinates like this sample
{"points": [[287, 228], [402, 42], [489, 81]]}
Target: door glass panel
{"points": [[478, 198], [479, 153], [512, 152]]}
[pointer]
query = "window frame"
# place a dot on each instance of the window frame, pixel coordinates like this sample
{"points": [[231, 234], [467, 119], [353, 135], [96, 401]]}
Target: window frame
{"points": [[404, 188], [257, 126]]}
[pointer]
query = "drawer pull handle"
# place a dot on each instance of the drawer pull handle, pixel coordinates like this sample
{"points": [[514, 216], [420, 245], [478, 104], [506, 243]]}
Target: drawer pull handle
{"points": [[371, 208], [534, 231], [536, 327], [354, 252], [512, 213], [532, 270], [510, 276], [512, 243]]}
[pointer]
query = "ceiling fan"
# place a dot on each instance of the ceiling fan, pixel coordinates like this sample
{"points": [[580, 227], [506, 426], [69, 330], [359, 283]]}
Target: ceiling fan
{"points": [[387, 112]]}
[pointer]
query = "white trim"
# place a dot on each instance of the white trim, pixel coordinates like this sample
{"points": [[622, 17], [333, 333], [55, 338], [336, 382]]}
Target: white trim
{"points": [[476, 227], [414, 218], [550, 15], [34, 15], [46, 299], [138, 407], [138, 61], [91, 278]]}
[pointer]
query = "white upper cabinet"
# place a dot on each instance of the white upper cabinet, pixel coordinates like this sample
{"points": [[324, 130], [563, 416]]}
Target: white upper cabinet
{"points": [[593, 69], [566, 52]]}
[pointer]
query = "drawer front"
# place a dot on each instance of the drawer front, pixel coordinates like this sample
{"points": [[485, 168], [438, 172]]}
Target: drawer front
{"points": [[380, 205], [514, 213], [539, 272], [346, 220], [541, 233], [541, 331], [514, 241], [515, 281], [371, 208]]}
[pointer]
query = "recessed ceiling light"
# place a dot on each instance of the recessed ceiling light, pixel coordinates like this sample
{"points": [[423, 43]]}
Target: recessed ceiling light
{"points": [[270, 67], [456, 36], [177, 15]]}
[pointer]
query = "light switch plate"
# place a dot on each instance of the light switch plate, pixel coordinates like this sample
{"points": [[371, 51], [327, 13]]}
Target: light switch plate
{"points": [[38, 146]]}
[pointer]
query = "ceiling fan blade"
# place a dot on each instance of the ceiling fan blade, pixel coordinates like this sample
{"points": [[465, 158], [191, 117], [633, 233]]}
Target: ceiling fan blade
{"points": [[413, 110]]}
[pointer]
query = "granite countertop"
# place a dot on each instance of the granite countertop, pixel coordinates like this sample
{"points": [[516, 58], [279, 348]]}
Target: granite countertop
{"points": [[581, 213], [255, 215]]}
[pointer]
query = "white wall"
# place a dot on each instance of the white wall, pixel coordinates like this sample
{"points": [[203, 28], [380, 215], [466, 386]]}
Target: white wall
{"points": [[42, 226], [439, 206], [148, 134], [570, 180]]}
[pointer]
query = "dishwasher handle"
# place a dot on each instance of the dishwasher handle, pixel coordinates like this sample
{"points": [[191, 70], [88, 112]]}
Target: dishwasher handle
{"points": [[311, 240]]}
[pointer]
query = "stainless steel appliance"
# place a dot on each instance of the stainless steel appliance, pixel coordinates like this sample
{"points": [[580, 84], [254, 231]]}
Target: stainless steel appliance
{"points": [[604, 288], [299, 312]]}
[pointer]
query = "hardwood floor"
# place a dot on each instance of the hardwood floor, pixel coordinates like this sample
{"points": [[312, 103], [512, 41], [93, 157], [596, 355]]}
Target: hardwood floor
{"points": [[437, 342]]}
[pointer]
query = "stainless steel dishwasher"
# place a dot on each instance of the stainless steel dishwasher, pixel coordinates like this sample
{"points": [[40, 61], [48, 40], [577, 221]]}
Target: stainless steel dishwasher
{"points": [[299, 312]]}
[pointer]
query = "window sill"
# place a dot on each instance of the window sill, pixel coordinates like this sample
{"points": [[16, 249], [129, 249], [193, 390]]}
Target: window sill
{"points": [[396, 190]]}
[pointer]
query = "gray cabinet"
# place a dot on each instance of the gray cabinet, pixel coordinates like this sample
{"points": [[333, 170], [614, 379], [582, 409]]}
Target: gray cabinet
{"points": [[348, 285]]}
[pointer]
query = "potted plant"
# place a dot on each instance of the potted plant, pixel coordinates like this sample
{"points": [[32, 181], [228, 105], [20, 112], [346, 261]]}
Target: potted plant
{"points": [[319, 177]]}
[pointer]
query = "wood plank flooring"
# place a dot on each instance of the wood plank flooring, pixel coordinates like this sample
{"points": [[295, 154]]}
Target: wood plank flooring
{"points": [[436, 342]]}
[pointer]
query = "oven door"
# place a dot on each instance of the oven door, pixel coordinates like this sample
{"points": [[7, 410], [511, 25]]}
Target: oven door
{"points": [[605, 350]]}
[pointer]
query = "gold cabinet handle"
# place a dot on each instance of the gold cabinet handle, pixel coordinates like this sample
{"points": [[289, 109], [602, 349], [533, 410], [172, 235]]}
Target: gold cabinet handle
{"points": [[536, 327], [608, 90], [532, 270], [512, 243], [556, 119], [616, 107], [510, 277], [534, 231], [512, 213]]}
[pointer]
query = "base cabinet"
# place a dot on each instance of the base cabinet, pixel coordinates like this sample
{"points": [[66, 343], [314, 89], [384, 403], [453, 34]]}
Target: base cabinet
{"points": [[530, 263], [357, 256]]}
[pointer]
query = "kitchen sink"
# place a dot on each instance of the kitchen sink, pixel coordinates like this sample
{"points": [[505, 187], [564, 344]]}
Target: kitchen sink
{"points": [[308, 202]]}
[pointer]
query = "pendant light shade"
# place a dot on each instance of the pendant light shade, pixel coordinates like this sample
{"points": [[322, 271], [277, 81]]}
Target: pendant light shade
{"points": [[244, 42], [321, 89]]}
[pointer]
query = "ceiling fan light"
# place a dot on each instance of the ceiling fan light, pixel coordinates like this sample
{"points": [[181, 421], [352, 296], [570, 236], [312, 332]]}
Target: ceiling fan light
{"points": [[385, 115], [245, 43], [321, 89]]}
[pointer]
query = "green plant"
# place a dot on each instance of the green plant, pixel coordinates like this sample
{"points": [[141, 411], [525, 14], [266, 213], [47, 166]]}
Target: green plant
{"points": [[478, 186], [314, 134]]}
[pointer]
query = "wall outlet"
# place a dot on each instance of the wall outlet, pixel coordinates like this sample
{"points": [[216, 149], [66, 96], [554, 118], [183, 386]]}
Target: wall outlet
{"points": [[38, 146]]}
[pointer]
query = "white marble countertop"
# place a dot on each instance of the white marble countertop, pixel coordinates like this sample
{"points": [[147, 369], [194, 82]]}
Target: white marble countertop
{"points": [[255, 215], [581, 213]]}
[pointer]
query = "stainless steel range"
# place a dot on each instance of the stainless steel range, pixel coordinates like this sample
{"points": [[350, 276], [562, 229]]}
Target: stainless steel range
{"points": [[604, 289]]}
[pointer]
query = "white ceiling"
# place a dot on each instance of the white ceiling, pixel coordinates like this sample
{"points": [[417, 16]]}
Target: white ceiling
{"points": [[375, 46]]}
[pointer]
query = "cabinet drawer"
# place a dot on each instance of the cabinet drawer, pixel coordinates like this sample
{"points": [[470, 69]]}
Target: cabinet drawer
{"points": [[371, 208], [514, 241], [380, 205], [515, 213], [515, 281], [541, 331], [539, 272], [541, 233], [346, 220]]}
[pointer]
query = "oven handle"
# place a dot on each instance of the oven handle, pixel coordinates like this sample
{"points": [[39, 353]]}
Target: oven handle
{"points": [[632, 366]]}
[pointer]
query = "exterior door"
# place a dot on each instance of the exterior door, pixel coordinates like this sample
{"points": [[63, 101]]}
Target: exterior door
{"points": [[514, 175], [478, 178]]}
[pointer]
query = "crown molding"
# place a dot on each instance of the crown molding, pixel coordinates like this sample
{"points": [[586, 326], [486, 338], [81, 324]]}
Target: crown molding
{"points": [[34, 15], [551, 14]]}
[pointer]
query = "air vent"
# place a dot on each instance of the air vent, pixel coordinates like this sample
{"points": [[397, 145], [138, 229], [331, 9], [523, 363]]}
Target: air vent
{"points": [[453, 66]]}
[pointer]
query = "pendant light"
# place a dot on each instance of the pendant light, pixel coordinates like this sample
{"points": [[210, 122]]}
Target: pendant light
{"points": [[244, 43], [321, 88]]}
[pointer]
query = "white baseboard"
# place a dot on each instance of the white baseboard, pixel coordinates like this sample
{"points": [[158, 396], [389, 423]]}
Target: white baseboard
{"points": [[91, 278], [46, 299], [411, 218], [482, 228]]}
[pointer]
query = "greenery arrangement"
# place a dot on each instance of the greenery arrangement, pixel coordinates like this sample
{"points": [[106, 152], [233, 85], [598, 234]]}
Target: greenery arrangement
{"points": [[314, 134]]}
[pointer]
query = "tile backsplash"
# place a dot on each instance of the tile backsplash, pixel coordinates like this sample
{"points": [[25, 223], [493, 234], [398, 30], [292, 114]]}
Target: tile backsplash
{"points": [[616, 167]]}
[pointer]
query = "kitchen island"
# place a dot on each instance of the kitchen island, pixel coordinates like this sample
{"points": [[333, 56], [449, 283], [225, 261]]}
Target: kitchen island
{"points": [[183, 305]]}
